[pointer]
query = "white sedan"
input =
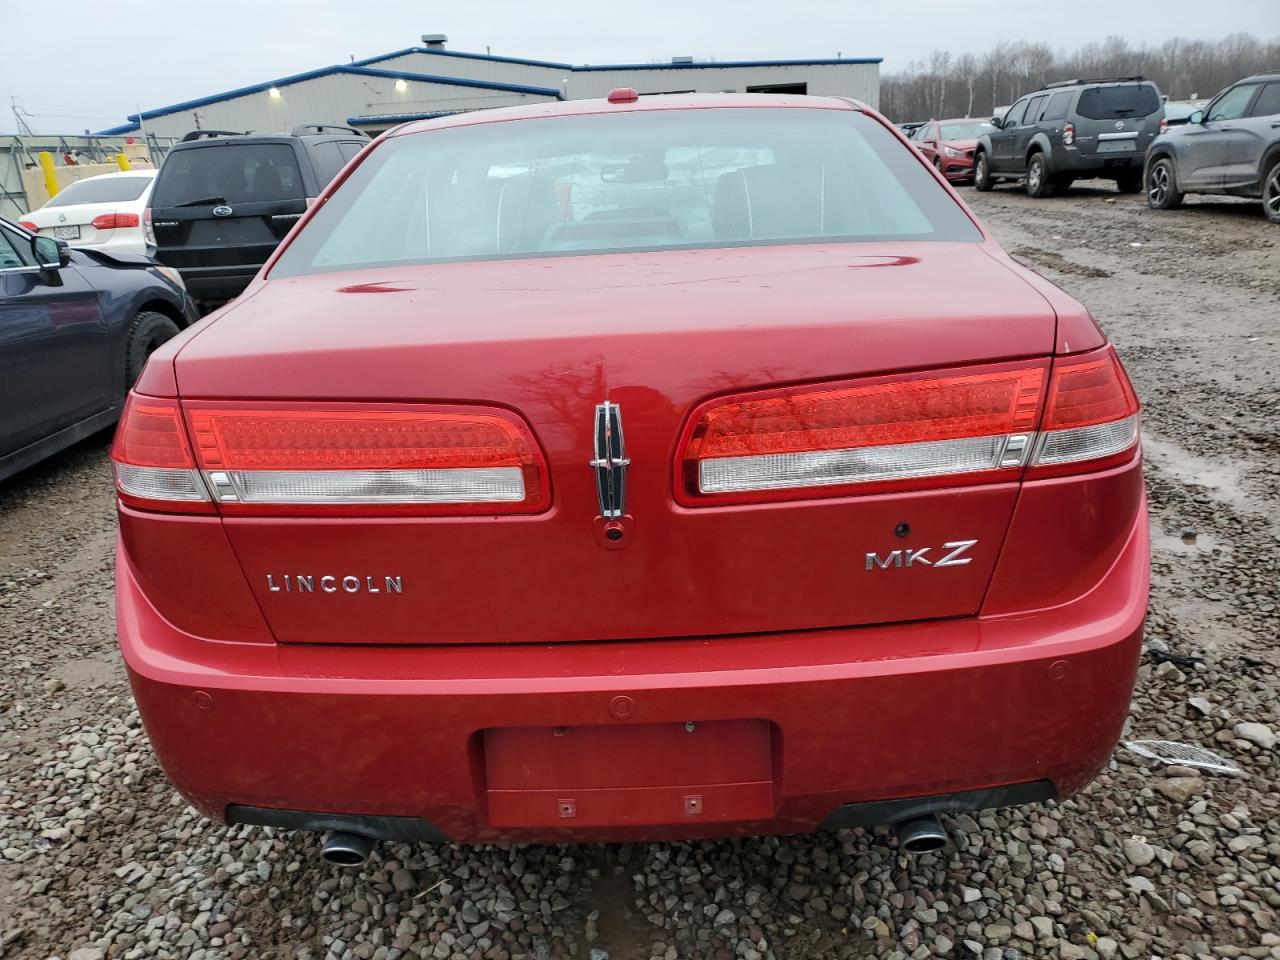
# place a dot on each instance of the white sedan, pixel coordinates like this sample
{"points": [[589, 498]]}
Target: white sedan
{"points": [[103, 212]]}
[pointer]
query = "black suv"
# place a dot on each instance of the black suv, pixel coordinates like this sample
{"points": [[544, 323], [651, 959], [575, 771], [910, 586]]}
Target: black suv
{"points": [[1069, 130], [223, 201]]}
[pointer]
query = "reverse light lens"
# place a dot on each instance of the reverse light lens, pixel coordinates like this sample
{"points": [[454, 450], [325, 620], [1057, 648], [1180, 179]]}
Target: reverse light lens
{"points": [[1068, 133], [897, 430], [148, 229], [370, 454]]}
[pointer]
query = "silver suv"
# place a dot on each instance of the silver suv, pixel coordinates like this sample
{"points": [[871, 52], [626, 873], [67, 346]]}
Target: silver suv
{"points": [[1230, 147], [1073, 129]]}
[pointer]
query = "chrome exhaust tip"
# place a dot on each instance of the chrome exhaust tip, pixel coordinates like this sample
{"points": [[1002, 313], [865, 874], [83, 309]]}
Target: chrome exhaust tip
{"points": [[346, 849], [921, 835]]}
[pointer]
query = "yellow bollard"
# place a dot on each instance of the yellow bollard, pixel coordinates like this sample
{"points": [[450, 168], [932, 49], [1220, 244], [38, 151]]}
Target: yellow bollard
{"points": [[50, 177], [123, 161]]}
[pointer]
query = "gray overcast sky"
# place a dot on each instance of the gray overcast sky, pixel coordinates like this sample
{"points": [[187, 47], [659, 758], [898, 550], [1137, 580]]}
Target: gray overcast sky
{"points": [[84, 63]]}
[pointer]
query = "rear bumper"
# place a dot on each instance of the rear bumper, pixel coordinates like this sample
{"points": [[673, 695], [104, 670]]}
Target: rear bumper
{"points": [[831, 727], [1072, 160], [216, 284]]}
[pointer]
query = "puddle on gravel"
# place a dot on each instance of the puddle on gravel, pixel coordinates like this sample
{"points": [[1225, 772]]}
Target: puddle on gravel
{"points": [[1222, 480]]}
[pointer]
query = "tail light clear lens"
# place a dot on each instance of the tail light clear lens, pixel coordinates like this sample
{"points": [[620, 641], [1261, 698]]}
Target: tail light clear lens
{"points": [[368, 457], [115, 221], [1068, 133], [910, 432], [972, 425], [152, 460], [148, 231]]}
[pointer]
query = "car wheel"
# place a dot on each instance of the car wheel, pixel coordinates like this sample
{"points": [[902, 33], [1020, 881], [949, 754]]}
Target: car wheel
{"points": [[1039, 183], [1271, 193], [1162, 186], [1129, 183], [981, 173], [146, 333]]}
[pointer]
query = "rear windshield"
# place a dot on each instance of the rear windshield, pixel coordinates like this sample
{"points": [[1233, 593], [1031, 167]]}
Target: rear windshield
{"points": [[229, 173], [1118, 101], [653, 180], [969, 130], [101, 190]]}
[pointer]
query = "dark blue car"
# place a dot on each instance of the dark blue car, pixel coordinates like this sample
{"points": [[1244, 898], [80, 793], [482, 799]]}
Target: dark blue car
{"points": [[76, 326]]}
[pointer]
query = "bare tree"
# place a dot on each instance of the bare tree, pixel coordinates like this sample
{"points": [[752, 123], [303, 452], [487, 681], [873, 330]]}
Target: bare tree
{"points": [[946, 85]]}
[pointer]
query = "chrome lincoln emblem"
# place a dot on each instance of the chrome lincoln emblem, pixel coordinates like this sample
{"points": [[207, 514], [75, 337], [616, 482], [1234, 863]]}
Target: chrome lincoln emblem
{"points": [[1119, 124], [222, 210], [610, 463]]}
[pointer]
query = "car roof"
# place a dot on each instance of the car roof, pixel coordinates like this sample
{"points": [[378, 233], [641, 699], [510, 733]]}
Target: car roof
{"points": [[680, 101], [1260, 76], [140, 172]]}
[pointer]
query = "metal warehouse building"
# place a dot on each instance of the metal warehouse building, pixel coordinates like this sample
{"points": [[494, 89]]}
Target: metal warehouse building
{"points": [[426, 81]]}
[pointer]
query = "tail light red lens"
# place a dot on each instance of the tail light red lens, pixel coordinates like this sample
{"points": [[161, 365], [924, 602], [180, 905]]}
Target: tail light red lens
{"points": [[909, 432], [1068, 133], [368, 457], [1091, 416], [152, 460], [1164, 125], [269, 458], [148, 230], [28, 225], [116, 221], [970, 425]]}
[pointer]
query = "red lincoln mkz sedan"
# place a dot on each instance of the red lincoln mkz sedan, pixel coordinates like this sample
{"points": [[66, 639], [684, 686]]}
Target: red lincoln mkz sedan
{"points": [[611, 470]]}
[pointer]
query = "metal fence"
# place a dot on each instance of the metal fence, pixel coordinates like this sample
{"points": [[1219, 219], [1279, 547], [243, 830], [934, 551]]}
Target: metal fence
{"points": [[18, 153]]}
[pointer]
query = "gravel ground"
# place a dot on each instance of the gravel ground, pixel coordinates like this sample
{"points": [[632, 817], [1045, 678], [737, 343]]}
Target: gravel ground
{"points": [[99, 858]]}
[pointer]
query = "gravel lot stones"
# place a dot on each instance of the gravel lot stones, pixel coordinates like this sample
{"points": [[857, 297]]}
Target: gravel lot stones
{"points": [[99, 859]]}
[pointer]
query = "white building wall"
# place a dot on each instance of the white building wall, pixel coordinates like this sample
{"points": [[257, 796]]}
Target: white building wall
{"points": [[474, 68], [858, 80], [331, 99]]}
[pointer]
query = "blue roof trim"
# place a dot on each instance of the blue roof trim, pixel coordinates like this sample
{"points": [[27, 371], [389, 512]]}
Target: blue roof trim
{"points": [[712, 64], [401, 117], [116, 131], [137, 118], [587, 67], [522, 61]]}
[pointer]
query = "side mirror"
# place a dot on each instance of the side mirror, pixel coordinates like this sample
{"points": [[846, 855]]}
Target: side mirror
{"points": [[997, 122], [1197, 117], [50, 254]]}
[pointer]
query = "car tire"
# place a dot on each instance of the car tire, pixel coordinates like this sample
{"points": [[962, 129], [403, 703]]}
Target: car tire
{"points": [[1129, 183], [1271, 192], [147, 332], [1162, 186], [982, 181], [1039, 183]]}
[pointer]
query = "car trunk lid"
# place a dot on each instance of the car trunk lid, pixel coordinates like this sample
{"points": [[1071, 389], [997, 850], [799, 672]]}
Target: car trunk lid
{"points": [[656, 334]]}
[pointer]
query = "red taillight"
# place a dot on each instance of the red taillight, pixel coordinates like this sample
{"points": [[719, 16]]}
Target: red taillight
{"points": [[1091, 416], [1164, 125], [148, 231], [152, 460], [1068, 133], [28, 225], [910, 432], [115, 221], [280, 457], [954, 427]]}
